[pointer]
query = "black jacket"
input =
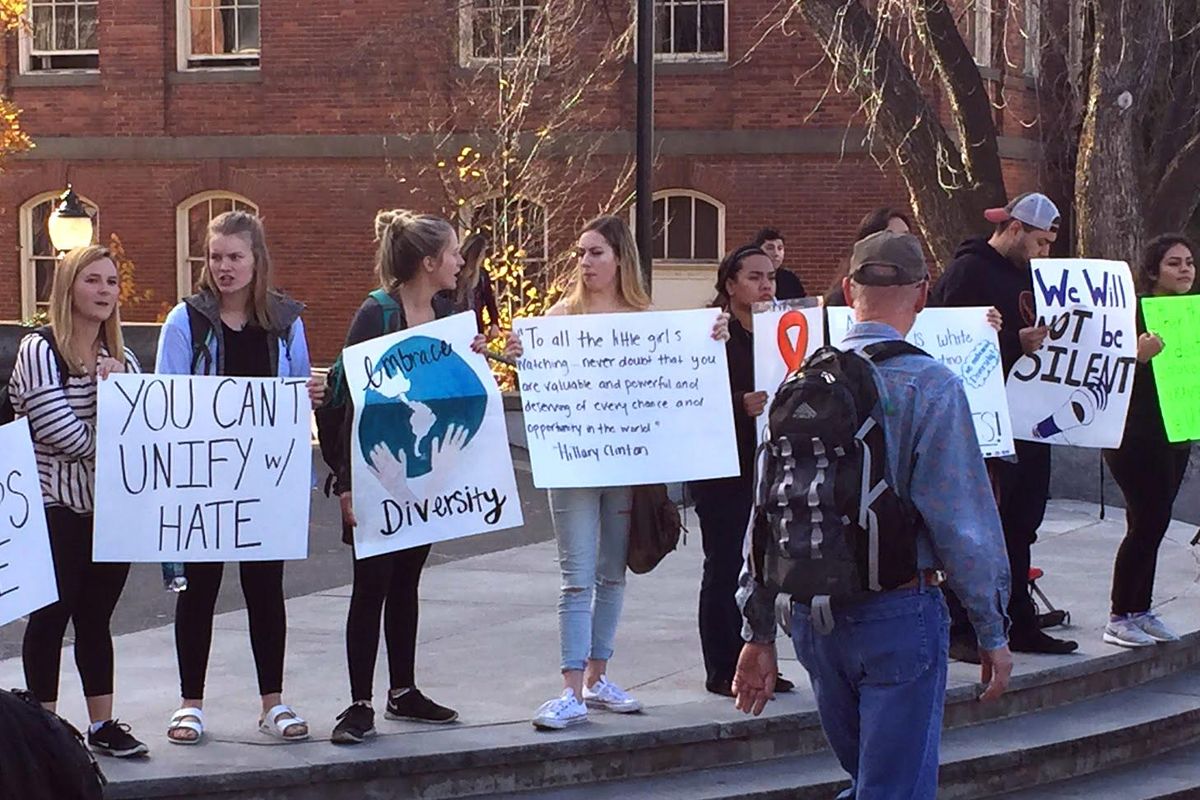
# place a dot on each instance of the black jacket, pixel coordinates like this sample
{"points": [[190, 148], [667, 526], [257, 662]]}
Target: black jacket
{"points": [[980, 276]]}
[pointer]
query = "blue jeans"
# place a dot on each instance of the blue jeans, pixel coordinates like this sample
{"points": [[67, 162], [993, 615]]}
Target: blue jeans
{"points": [[880, 682], [591, 527]]}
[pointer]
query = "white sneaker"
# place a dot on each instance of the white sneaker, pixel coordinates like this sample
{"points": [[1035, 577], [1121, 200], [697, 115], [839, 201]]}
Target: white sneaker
{"points": [[610, 697], [561, 712], [1154, 627], [1126, 632]]}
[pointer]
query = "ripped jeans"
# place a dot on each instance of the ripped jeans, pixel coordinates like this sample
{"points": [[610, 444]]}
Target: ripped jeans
{"points": [[591, 527]]}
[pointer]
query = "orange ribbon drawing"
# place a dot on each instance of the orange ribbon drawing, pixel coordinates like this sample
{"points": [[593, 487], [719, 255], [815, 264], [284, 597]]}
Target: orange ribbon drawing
{"points": [[793, 355]]}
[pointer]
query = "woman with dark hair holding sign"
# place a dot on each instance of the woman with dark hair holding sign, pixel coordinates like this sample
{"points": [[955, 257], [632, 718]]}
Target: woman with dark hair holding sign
{"points": [[591, 524], [235, 325], [1148, 468], [53, 386], [417, 263], [745, 277]]}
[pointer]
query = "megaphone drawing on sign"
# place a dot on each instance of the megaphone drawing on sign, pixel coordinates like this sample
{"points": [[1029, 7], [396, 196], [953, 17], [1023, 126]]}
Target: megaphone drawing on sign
{"points": [[1079, 410]]}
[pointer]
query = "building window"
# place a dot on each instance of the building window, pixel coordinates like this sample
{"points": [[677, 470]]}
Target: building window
{"points": [[1033, 37], [38, 257], [517, 260], [61, 36], [497, 29], [689, 228], [983, 32], [191, 231], [690, 30], [218, 33]]}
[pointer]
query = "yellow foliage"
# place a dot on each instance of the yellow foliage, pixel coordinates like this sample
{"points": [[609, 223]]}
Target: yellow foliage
{"points": [[130, 295]]}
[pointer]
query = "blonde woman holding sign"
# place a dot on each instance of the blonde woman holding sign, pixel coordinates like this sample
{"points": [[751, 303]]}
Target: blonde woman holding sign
{"points": [[53, 385], [237, 325], [591, 524]]}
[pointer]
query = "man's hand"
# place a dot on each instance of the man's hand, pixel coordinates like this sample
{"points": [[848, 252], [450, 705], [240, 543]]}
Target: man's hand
{"points": [[995, 670], [754, 403], [754, 680], [1032, 338]]}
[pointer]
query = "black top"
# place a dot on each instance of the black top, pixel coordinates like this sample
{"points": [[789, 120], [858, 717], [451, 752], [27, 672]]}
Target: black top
{"points": [[980, 276], [788, 285], [740, 352], [1144, 423], [247, 354]]}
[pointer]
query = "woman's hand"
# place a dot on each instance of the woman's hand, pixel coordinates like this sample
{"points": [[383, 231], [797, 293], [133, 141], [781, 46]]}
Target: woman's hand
{"points": [[316, 391], [493, 331], [720, 330], [108, 366], [513, 347], [995, 318], [754, 403], [347, 501], [479, 343], [1148, 346]]}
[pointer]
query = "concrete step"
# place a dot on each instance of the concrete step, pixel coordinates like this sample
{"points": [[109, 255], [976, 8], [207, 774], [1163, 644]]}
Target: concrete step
{"points": [[1018, 753], [1173, 775]]}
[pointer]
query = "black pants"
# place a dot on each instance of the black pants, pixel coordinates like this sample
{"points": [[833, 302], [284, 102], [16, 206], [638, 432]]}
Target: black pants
{"points": [[723, 507], [1149, 474], [87, 594], [1021, 493], [386, 581], [262, 588]]}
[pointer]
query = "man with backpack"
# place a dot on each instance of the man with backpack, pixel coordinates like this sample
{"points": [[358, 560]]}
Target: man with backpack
{"points": [[873, 493]]}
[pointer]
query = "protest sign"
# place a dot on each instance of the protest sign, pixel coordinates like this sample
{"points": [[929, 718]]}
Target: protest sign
{"points": [[1177, 367], [429, 447], [962, 339], [202, 468], [1075, 389], [785, 333], [26, 565], [626, 399]]}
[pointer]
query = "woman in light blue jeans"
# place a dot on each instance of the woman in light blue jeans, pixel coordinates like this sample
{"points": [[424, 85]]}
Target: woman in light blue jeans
{"points": [[591, 524]]}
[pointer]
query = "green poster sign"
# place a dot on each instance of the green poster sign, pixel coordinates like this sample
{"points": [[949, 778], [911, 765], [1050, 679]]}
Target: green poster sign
{"points": [[1177, 367]]}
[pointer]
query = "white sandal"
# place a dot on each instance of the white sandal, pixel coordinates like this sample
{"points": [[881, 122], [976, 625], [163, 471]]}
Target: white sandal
{"points": [[186, 719], [279, 719]]}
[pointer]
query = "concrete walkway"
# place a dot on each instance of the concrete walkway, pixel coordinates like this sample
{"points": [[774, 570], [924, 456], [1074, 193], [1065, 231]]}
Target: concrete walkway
{"points": [[489, 647]]}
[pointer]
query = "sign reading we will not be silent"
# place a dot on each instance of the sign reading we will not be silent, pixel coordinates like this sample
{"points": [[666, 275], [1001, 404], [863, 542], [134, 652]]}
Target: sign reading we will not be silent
{"points": [[1177, 367], [626, 399], [1075, 389], [26, 566], [202, 468]]}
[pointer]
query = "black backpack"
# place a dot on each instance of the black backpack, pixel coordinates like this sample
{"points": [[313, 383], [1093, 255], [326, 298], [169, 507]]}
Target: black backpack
{"points": [[827, 521], [8, 412], [43, 757]]}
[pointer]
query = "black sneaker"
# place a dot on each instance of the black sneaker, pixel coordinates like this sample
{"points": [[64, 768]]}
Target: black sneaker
{"points": [[965, 650], [114, 739], [354, 725], [1039, 642], [416, 707], [782, 684]]}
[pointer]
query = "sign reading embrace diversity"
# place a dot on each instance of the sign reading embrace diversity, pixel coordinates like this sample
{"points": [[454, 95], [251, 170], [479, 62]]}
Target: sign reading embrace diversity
{"points": [[626, 399], [26, 565], [1075, 389], [785, 333], [202, 468], [962, 339], [429, 447], [1177, 367]]}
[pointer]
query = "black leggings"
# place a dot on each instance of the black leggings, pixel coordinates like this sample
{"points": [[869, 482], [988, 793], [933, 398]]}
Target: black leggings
{"points": [[723, 507], [1149, 474], [391, 579], [87, 594], [262, 586]]}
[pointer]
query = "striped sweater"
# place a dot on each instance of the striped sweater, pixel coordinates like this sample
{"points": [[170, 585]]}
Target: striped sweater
{"points": [[62, 421]]}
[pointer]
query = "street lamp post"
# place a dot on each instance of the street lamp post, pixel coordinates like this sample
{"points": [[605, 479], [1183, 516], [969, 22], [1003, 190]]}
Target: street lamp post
{"points": [[70, 225], [644, 208]]}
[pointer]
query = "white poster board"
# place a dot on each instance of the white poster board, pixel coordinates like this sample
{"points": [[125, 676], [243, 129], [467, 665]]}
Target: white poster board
{"points": [[429, 447], [626, 399], [962, 339], [202, 468], [1075, 389], [785, 333], [26, 564]]}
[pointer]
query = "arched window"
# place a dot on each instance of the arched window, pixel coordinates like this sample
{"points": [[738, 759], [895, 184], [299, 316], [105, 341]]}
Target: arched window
{"points": [[689, 228], [38, 256], [517, 227], [191, 228]]}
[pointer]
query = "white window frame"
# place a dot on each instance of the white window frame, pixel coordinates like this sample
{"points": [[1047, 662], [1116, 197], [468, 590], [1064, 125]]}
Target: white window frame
{"points": [[183, 45], [983, 32], [676, 58], [466, 37], [185, 280], [28, 273], [1033, 37], [27, 52], [693, 263]]}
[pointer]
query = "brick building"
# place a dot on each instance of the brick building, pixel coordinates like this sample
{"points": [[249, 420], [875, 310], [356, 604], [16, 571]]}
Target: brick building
{"points": [[162, 113]]}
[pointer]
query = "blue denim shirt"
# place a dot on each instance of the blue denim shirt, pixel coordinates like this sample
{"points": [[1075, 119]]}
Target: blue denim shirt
{"points": [[934, 461]]}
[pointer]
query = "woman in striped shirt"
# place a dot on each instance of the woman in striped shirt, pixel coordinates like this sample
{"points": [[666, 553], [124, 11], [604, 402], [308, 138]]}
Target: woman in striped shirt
{"points": [[54, 386]]}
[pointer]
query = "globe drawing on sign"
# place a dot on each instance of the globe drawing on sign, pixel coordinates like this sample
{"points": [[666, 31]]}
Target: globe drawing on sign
{"points": [[421, 392]]}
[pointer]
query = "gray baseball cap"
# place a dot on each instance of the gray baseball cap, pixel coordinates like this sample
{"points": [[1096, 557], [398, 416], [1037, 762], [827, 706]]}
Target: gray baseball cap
{"points": [[1032, 208], [888, 259]]}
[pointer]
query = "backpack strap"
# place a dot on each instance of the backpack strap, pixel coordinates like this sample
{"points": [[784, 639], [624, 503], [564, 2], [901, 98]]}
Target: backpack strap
{"points": [[391, 309], [883, 351], [202, 336], [47, 333]]}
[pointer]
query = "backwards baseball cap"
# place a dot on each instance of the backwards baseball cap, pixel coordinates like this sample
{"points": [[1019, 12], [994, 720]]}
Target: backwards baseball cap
{"points": [[888, 259], [1032, 208]]}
